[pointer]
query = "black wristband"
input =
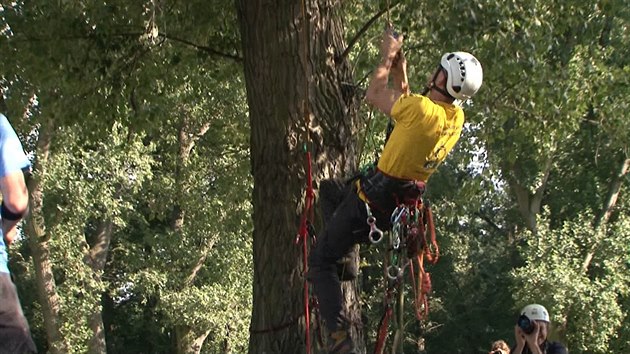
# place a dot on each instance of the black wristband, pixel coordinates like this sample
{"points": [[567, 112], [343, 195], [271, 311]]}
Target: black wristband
{"points": [[7, 214]]}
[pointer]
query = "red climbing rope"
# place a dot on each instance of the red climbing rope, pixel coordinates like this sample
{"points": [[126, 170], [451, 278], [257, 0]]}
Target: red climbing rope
{"points": [[307, 214], [384, 322], [303, 233]]}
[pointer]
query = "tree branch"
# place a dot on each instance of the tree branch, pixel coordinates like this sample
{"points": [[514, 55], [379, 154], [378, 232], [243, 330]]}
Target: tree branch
{"points": [[529, 204], [96, 256], [138, 34], [538, 195], [202, 48], [362, 31], [609, 204], [523, 199], [489, 221], [521, 193], [613, 193], [200, 262]]}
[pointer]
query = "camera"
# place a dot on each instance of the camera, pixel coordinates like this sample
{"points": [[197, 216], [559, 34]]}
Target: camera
{"points": [[393, 31], [528, 326]]}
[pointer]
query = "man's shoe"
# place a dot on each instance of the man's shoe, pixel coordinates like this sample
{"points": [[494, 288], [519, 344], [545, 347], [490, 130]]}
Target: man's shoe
{"points": [[341, 343]]}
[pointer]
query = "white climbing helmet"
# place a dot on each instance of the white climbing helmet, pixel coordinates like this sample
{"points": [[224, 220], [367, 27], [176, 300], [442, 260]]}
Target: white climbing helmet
{"points": [[536, 312], [464, 74]]}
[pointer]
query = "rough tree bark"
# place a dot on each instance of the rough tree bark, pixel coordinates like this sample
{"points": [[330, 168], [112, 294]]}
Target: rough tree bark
{"points": [[39, 246], [277, 72], [96, 259]]}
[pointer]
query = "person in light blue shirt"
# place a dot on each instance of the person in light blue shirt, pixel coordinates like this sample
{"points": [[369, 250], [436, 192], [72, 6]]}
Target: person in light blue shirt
{"points": [[15, 336]]}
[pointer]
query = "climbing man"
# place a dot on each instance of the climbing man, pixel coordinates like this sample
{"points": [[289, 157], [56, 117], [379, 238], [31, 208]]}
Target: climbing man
{"points": [[426, 128], [15, 336]]}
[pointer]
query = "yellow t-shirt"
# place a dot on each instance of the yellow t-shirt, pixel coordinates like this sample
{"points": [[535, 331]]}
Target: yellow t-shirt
{"points": [[425, 132]]}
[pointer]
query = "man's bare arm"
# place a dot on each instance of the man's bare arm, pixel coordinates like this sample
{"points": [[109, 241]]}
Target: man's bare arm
{"points": [[378, 93], [398, 71], [15, 202]]}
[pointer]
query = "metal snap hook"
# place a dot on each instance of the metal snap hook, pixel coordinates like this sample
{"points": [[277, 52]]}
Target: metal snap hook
{"points": [[375, 235], [394, 272]]}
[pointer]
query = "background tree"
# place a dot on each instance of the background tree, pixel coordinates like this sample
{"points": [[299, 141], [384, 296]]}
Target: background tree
{"points": [[117, 147]]}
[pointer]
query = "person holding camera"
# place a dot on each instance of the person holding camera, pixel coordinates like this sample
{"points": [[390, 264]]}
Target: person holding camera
{"points": [[499, 347], [531, 332]]}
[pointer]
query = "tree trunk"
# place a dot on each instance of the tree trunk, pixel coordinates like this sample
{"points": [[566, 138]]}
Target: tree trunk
{"points": [[97, 257], [38, 244], [291, 70], [189, 339], [529, 204]]}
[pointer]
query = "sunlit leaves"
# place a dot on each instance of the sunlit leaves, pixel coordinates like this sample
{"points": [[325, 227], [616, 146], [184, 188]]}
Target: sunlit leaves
{"points": [[124, 84], [584, 305]]}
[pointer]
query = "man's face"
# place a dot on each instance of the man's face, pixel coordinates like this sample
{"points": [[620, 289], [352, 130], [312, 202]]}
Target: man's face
{"points": [[440, 79]]}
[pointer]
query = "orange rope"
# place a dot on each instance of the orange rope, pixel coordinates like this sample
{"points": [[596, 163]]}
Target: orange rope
{"points": [[432, 250]]}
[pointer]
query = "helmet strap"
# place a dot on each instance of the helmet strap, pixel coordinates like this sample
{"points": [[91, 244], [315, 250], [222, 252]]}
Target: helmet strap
{"points": [[433, 86], [444, 92]]}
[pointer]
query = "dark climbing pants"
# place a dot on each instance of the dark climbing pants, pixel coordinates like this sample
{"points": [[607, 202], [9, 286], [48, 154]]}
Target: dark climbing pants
{"points": [[346, 227], [15, 336]]}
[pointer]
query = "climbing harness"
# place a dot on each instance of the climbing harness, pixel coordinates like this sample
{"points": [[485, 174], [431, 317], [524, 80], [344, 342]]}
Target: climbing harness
{"points": [[412, 241]]}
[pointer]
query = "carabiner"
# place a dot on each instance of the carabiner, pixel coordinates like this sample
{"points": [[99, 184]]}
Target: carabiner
{"points": [[396, 242], [397, 214], [394, 272], [376, 235]]}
